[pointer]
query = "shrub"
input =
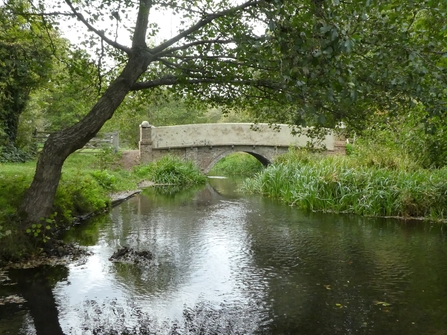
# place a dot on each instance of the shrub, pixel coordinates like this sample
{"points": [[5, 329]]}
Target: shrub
{"points": [[171, 170]]}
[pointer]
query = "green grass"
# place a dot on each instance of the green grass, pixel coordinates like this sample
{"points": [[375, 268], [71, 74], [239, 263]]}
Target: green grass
{"points": [[354, 185], [237, 164]]}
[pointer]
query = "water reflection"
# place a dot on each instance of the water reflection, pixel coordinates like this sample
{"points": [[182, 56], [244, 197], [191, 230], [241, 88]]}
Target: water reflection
{"points": [[36, 287], [227, 264]]}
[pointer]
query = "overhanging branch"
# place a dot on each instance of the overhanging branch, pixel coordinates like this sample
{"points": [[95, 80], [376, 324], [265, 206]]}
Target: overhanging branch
{"points": [[101, 34], [203, 22]]}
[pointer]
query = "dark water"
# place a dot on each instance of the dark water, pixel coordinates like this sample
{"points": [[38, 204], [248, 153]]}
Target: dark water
{"points": [[226, 264]]}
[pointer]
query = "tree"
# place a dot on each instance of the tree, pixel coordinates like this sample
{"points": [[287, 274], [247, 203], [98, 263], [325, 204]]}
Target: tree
{"points": [[202, 54], [69, 95], [299, 61], [345, 61], [26, 60]]}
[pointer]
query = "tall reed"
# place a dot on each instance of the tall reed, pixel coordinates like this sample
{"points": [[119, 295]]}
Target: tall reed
{"points": [[351, 185]]}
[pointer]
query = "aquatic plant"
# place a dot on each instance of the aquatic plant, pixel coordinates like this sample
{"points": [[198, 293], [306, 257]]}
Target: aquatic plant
{"points": [[352, 185]]}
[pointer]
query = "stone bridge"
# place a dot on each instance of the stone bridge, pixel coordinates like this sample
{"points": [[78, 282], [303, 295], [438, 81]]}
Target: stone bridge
{"points": [[206, 144]]}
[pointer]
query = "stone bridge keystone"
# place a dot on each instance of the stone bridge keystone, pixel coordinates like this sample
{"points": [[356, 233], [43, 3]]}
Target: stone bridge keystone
{"points": [[206, 144]]}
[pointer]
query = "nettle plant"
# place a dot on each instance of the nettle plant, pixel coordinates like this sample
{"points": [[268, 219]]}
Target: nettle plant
{"points": [[43, 231]]}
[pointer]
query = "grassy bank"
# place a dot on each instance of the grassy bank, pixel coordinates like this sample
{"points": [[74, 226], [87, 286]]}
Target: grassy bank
{"points": [[370, 185], [87, 182]]}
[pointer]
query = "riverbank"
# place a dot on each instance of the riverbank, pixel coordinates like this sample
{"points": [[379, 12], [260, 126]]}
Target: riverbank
{"points": [[371, 186], [91, 184]]}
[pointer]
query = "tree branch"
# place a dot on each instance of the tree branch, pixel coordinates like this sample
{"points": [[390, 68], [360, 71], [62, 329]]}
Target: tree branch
{"points": [[139, 37], [203, 22], [192, 44], [101, 34]]}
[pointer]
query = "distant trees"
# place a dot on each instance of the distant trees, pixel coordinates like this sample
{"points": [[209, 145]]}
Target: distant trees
{"points": [[25, 64]]}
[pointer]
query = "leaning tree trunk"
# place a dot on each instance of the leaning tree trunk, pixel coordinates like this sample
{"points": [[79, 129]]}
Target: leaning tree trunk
{"points": [[39, 198]]}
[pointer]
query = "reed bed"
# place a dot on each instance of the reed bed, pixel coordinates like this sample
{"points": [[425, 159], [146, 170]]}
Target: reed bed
{"points": [[349, 185]]}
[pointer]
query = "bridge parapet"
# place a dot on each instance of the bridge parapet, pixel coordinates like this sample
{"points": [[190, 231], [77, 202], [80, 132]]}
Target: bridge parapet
{"points": [[220, 139]]}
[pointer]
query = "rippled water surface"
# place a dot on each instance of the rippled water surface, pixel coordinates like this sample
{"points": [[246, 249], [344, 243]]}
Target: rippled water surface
{"points": [[226, 264]]}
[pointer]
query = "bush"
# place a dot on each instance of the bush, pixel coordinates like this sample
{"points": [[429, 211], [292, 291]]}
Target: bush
{"points": [[171, 170], [10, 153], [79, 195], [105, 179]]}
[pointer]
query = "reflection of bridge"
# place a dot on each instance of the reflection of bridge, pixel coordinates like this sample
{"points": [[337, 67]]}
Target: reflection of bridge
{"points": [[206, 144]]}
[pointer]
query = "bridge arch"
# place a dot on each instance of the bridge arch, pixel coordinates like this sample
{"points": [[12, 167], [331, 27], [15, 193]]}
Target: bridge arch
{"points": [[260, 157]]}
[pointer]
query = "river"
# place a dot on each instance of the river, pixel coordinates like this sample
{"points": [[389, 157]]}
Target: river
{"points": [[230, 264]]}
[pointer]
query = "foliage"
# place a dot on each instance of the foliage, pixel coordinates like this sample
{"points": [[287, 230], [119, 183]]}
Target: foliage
{"points": [[416, 135], [238, 164], [26, 57], [105, 179], [43, 231], [81, 194], [10, 153], [69, 95], [171, 170], [107, 158], [352, 185], [4, 232], [347, 60]]}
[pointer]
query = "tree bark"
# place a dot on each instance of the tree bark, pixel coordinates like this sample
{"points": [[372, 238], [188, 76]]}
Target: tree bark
{"points": [[39, 198]]}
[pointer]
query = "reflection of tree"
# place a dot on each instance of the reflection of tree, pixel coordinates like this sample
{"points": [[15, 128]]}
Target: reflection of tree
{"points": [[227, 187], [36, 286]]}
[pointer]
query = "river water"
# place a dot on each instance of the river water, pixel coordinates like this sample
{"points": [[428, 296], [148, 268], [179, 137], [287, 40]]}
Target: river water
{"points": [[228, 264]]}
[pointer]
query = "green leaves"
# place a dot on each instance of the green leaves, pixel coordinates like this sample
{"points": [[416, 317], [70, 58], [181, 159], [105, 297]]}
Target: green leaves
{"points": [[43, 232], [25, 52]]}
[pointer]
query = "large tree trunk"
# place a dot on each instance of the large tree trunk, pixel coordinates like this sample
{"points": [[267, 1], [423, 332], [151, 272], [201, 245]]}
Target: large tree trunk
{"points": [[39, 198]]}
